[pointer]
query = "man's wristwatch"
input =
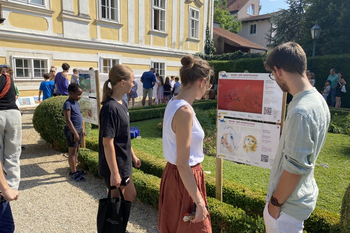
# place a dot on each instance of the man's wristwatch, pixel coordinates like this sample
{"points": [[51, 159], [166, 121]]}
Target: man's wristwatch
{"points": [[274, 202]]}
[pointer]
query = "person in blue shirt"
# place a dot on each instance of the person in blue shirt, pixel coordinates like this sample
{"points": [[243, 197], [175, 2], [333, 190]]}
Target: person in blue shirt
{"points": [[177, 87], [47, 87], [333, 77], [149, 80], [74, 129]]}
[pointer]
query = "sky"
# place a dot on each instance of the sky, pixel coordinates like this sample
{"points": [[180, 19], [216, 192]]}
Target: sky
{"points": [[269, 6]]}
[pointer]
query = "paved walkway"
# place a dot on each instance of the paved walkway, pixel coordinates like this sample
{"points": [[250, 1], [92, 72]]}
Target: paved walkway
{"points": [[50, 201]]}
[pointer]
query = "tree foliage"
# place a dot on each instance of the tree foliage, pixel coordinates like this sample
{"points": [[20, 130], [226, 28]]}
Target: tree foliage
{"points": [[209, 48], [294, 24], [223, 16]]}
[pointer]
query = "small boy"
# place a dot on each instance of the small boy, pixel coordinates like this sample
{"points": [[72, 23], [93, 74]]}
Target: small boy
{"points": [[46, 87], [74, 129], [75, 77], [326, 89]]}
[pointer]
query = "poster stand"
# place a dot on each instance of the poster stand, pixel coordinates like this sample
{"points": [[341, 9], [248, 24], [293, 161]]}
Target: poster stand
{"points": [[219, 161], [98, 103]]}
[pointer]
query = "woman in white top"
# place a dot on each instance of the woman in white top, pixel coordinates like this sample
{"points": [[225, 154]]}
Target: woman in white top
{"points": [[182, 183]]}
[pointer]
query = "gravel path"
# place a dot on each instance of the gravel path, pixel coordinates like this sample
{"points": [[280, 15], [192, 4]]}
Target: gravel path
{"points": [[50, 201]]}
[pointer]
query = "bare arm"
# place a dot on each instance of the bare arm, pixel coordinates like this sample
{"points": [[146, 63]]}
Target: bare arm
{"points": [[39, 95], [135, 160], [182, 125], [108, 146], [285, 188], [9, 193]]}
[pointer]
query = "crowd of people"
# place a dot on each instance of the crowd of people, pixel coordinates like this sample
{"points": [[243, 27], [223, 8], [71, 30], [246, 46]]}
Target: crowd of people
{"points": [[334, 86], [292, 190], [165, 89]]}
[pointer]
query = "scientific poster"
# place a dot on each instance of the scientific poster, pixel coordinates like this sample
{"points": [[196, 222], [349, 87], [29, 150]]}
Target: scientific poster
{"points": [[247, 142], [88, 108], [251, 96], [87, 82]]}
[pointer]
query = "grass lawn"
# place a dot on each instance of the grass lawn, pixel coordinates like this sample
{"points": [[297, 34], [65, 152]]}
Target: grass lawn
{"points": [[332, 172]]}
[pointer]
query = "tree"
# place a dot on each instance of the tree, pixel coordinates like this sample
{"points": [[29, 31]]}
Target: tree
{"points": [[294, 24], [209, 48], [288, 23], [223, 16]]}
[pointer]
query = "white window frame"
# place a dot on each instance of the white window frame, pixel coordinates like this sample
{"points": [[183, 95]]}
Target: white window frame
{"points": [[29, 2], [110, 63], [155, 64], [109, 10], [251, 9], [197, 22], [250, 29], [153, 8], [31, 67]]}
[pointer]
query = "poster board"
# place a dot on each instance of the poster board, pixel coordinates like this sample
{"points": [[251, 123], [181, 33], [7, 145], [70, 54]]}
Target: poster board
{"points": [[90, 101], [251, 109], [251, 96], [247, 142], [87, 82]]}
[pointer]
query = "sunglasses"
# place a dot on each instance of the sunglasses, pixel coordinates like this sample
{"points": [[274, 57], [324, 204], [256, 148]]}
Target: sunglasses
{"points": [[52, 71], [4, 66]]}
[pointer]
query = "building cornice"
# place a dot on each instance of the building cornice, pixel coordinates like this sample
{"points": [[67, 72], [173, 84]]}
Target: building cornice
{"points": [[197, 2], [72, 16], [26, 8], [89, 44]]}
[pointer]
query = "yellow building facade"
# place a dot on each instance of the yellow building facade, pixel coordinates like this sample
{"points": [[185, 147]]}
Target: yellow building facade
{"points": [[38, 34]]}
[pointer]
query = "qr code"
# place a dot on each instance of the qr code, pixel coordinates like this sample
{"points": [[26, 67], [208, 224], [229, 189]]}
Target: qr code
{"points": [[264, 158], [267, 111]]}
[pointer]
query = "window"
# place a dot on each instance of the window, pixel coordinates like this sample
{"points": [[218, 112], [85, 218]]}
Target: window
{"points": [[250, 10], [159, 15], [159, 68], [194, 23], [107, 64], [36, 2], [252, 29], [29, 68], [109, 10]]}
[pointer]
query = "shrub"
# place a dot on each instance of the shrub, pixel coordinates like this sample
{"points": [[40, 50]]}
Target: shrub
{"points": [[244, 200], [345, 212], [48, 121], [224, 217], [157, 111]]}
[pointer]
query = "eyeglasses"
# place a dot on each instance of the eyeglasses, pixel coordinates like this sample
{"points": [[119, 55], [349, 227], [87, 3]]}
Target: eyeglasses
{"points": [[271, 76]]}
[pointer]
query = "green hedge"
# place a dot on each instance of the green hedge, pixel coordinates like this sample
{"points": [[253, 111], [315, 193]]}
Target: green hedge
{"points": [[345, 212], [48, 121], [157, 111], [240, 196], [253, 65], [224, 217], [322, 66]]}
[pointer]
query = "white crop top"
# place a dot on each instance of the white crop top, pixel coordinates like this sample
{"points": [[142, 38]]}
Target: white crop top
{"points": [[169, 137]]}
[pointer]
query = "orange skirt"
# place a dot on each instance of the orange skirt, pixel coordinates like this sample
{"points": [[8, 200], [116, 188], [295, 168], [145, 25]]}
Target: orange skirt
{"points": [[175, 202]]}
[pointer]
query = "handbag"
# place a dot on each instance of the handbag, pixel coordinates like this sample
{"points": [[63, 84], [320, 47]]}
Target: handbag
{"points": [[343, 89], [113, 213]]}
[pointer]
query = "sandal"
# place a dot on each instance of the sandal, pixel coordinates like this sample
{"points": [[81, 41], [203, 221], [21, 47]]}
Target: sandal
{"points": [[77, 177], [81, 172]]}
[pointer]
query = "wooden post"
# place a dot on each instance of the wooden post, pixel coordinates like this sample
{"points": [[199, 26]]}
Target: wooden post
{"points": [[83, 144], [219, 178], [98, 96], [219, 161], [284, 104]]}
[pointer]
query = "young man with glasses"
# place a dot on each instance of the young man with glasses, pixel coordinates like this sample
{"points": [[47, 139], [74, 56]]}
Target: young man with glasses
{"points": [[292, 192]]}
